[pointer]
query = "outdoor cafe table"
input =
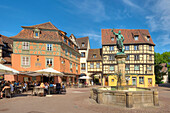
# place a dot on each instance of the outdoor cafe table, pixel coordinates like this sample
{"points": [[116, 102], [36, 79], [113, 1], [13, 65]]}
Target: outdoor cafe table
{"points": [[37, 90]]}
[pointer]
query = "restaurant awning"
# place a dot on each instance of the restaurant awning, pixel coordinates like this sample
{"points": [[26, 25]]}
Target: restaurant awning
{"points": [[7, 70]]}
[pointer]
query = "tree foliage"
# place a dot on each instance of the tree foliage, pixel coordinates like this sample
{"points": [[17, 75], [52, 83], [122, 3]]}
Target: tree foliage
{"points": [[159, 59]]}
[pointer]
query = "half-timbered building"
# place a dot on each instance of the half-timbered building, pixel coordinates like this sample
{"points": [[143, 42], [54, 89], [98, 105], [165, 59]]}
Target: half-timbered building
{"points": [[41, 46], [94, 64], [139, 49]]}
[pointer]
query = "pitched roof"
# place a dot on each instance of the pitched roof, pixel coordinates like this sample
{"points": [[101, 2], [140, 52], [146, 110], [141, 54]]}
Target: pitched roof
{"points": [[164, 67], [45, 35], [83, 40], [6, 40], [128, 35], [97, 52], [47, 25]]}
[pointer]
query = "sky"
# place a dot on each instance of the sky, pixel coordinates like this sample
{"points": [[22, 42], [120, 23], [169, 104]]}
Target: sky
{"points": [[87, 17]]}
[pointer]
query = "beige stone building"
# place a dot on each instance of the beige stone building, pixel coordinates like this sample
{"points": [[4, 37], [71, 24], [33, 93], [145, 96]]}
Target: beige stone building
{"points": [[84, 46], [139, 64]]}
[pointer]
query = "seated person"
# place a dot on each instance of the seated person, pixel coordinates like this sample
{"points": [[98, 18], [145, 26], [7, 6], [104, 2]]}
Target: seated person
{"points": [[11, 86], [51, 85], [46, 88], [6, 85], [24, 86], [42, 85]]}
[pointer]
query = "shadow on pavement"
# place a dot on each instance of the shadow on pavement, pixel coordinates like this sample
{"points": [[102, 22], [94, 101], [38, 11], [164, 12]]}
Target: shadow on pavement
{"points": [[164, 85]]}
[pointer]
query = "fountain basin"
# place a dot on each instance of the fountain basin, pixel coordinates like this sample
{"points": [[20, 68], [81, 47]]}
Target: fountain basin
{"points": [[127, 97]]}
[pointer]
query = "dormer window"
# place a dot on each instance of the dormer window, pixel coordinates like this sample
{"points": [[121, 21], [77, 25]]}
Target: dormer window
{"points": [[65, 40], [36, 33], [148, 38], [136, 37], [112, 38], [83, 44], [94, 55], [69, 43]]}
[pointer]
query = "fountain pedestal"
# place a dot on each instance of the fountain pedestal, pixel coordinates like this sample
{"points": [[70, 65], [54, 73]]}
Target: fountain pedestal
{"points": [[121, 58]]}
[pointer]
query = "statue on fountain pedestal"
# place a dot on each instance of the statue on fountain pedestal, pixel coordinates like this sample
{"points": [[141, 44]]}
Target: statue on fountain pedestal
{"points": [[119, 43]]}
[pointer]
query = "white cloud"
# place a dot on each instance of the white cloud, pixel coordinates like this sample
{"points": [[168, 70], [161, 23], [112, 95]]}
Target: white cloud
{"points": [[164, 40], [132, 4], [160, 18], [93, 8], [93, 36]]}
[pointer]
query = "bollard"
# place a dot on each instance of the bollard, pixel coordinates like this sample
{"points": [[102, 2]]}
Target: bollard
{"points": [[129, 100]]}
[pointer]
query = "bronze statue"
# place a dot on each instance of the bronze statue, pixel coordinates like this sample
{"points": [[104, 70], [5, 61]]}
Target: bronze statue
{"points": [[119, 43]]}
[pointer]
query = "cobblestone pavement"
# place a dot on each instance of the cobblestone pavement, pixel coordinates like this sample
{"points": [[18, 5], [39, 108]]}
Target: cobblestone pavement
{"points": [[76, 101]]}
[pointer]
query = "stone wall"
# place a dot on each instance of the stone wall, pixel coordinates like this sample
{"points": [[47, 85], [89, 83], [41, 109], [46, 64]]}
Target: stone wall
{"points": [[125, 98]]}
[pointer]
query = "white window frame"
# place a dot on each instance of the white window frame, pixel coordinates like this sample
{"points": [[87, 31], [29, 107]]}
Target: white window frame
{"points": [[24, 61], [26, 45], [135, 67], [136, 47], [127, 69], [70, 54], [49, 48], [127, 48], [111, 48], [71, 65], [91, 65], [141, 81], [150, 48], [112, 68], [97, 65], [50, 59], [66, 52], [136, 37]]}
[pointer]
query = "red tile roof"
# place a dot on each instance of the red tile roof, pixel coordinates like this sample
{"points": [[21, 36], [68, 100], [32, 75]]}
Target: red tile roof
{"points": [[7, 40], [45, 35], [128, 35], [47, 25], [97, 52], [164, 67], [84, 40]]}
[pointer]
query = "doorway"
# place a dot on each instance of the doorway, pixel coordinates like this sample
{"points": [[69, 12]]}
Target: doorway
{"points": [[134, 81]]}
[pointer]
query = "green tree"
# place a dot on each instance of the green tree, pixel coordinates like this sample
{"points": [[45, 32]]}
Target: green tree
{"points": [[159, 59]]}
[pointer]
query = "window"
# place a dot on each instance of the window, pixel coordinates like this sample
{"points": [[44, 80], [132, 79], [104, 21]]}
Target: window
{"points": [[148, 38], [49, 47], [71, 65], [94, 55], [38, 59], [69, 43], [136, 47], [75, 47], [136, 57], [112, 38], [83, 66], [82, 54], [150, 68], [76, 67], [76, 57], [70, 54], [111, 48], [150, 48], [66, 52], [25, 61], [83, 44], [111, 68], [91, 65], [49, 62], [136, 67], [128, 57], [111, 57], [65, 40], [150, 57], [127, 48], [36, 34], [25, 45], [97, 65], [141, 80], [112, 80], [136, 37], [127, 67]]}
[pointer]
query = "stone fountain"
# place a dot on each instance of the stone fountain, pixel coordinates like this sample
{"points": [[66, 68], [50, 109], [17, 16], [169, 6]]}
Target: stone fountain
{"points": [[123, 95]]}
